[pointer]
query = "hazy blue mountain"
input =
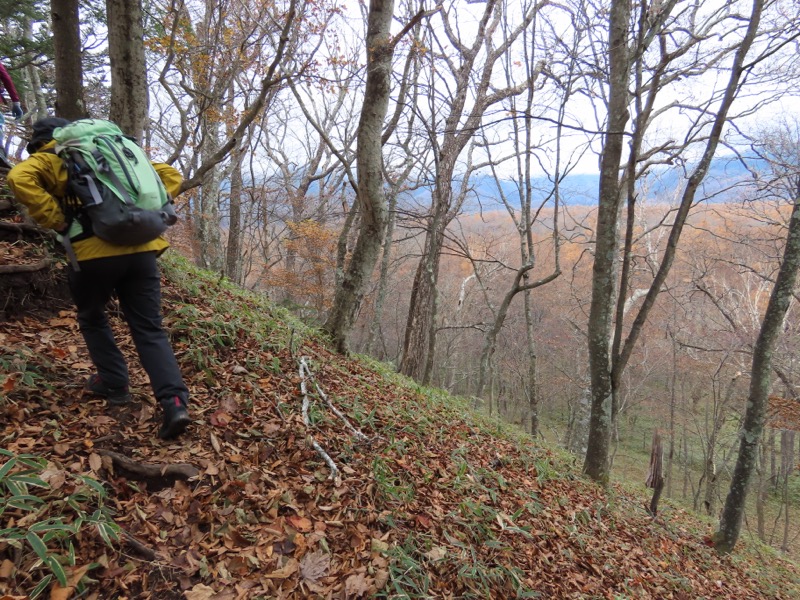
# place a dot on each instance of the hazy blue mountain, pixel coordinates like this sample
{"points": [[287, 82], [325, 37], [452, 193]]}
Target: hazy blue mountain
{"points": [[581, 189]]}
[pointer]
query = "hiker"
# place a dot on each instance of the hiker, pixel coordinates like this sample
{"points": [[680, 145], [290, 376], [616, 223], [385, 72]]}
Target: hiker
{"points": [[101, 268], [16, 110]]}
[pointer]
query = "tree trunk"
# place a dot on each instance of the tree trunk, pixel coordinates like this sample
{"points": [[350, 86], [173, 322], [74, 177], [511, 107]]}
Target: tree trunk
{"points": [[787, 462], [672, 400], [416, 342], [37, 104], [730, 523], [233, 251], [69, 71], [596, 464], [129, 90], [655, 476], [207, 218], [532, 388], [761, 493], [375, 329], [369, 159]]}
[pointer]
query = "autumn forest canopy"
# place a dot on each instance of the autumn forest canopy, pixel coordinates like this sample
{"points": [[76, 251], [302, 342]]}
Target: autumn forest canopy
{"points": [[581, 216]]}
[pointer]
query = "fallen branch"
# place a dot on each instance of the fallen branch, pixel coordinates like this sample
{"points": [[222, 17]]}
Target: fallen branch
{"points": [[307, 422], [355, 431], [176, 471], [32, 268]]}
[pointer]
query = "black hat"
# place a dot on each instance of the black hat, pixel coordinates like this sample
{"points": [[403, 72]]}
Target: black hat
{"points": [[43, 132]]}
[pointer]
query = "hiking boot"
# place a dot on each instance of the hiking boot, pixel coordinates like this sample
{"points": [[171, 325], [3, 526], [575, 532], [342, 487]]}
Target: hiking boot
{"points": [[115, 396], [176, 418]]}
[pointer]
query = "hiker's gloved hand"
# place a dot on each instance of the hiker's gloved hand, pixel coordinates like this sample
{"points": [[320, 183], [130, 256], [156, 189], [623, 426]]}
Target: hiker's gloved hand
{"points": [[16, 110]]}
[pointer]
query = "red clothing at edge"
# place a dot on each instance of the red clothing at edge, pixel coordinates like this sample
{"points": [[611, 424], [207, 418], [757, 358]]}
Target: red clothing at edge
{"points": [[8, 84]]}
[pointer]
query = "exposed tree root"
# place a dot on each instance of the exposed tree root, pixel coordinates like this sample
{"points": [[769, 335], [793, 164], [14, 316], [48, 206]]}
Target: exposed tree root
{"points": [[157, 476], [32, 268]]}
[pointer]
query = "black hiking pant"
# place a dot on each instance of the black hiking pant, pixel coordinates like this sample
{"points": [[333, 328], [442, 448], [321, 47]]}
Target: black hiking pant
{"points": [[137, 281]]}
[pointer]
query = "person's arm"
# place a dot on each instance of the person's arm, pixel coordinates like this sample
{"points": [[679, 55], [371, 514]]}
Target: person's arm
{"points": [[8, 83], [31, 182], [170, 176]]}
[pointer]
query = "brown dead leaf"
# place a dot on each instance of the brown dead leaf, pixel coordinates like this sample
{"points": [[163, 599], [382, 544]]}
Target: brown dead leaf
{"points": [[219, 418], [199, 592], [95, 462], [300, 523], [6, 569], [9, 384], [314, 566], [61, 449], [64, 593], [356, 585], [54, 476], [61, 322], [287, 570], [215, 444], [59, 593], [381, 578], [424, 521], [229, 405], [436, 553]]}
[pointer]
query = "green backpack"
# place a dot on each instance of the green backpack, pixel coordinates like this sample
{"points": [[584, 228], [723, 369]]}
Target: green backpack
{"points": [[121, 199]]}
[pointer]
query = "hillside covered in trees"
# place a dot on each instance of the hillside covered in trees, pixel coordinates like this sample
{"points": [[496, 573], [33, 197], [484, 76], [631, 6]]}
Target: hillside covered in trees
{"points": [[419, 496]]}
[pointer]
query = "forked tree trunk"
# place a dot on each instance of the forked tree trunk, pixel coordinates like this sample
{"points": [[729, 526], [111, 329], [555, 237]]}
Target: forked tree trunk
{"points": [[606, 362]]}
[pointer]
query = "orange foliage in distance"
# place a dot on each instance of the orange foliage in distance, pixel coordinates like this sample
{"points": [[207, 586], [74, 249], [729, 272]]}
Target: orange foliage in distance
{"points": [[305, 276]]}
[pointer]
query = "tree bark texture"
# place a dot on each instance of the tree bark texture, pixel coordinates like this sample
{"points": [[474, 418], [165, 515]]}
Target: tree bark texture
{"points": [[69, 71], [419, 325], [733, 511], [369, 159], [129, 91], [655, 473], [596, 464], [233, 250]]}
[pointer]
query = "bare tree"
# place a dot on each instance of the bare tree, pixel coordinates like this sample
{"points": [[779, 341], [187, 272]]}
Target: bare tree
{"points": [[609, 350], [782, 155], [469, 65]]}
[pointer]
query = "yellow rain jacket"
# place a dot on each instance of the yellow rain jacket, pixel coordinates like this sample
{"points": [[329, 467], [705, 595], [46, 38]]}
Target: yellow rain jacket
{"points": [[38, 181]]}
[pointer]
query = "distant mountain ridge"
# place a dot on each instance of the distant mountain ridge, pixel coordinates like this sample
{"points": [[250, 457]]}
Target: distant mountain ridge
{"points": [[724, 178]]}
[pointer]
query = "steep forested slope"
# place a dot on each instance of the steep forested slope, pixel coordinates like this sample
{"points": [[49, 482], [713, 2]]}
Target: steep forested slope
{"points": [[428, 499]]}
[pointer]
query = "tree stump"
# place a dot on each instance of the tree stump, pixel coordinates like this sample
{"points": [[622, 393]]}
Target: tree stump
{"points": [[655, 476]]}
